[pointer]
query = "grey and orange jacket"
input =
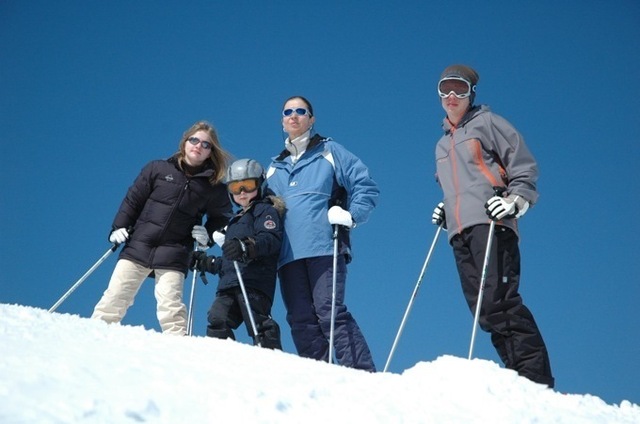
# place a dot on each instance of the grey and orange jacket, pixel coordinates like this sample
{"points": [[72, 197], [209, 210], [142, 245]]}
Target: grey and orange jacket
{"points": [[482, 152]]}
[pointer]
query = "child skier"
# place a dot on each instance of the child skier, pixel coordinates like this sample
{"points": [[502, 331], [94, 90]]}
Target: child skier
{"points": [[253, 239]]}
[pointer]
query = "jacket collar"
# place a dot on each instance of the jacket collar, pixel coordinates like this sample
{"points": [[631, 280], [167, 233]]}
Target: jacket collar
{"points": [[313, 142], [471, 113], [207, 168]]}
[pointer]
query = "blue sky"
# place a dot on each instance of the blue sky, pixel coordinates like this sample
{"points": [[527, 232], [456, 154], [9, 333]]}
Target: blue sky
{"points": [[91, 91]]}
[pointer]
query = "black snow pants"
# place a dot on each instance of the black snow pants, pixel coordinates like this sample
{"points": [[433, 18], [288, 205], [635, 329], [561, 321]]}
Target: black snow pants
{"points": [[228, 311], [514, 332]]}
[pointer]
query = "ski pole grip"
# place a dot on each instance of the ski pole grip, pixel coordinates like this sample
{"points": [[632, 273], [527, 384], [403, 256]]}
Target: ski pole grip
{"points": [[499, 190], [116, 245]]}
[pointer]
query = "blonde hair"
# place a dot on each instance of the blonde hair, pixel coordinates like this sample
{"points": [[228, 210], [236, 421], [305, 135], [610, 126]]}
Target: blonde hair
{"points": [[218, 157]]}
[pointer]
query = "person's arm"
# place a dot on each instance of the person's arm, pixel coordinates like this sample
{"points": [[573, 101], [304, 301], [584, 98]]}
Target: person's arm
{"points": [[519, 164], [353, 175], [268, 229], [219, 210], [135, 199]]}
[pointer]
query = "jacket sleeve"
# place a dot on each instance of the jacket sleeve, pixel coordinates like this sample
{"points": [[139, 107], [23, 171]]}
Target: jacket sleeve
{"points": [[267, 228], [519, 164], [219, 210], [353, 175], [135, 199]]}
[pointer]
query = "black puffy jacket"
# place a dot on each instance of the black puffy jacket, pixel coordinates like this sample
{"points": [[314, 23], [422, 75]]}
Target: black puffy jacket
{"points": [[262, 222], [162, 206]]}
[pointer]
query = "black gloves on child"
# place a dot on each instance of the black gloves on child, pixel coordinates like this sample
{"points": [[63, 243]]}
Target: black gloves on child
{"points": [[203, 263], [239, 250]]}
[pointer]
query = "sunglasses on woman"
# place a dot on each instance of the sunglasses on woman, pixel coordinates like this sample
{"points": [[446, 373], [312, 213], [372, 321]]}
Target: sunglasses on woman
{"points": [[298, 111], [195, 141], [248, 186], [460, 87]]}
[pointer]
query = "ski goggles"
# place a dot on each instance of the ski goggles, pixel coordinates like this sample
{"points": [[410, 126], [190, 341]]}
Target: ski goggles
{"points": [[248, 186], [460, 87], [298, 111], [195, 141]]}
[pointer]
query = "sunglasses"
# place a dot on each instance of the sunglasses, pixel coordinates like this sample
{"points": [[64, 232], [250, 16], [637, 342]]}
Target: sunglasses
{"points": [[298, 111], [248, 186], [460, 87], [195, 141]]}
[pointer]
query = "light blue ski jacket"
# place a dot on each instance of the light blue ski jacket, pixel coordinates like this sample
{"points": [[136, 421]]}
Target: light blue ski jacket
{"points": [[309, 186]]}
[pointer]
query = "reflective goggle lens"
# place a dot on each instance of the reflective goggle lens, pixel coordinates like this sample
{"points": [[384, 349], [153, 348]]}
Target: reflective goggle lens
{"points": [[195, 140], [298, 111], [248, 186], [458, 86]]}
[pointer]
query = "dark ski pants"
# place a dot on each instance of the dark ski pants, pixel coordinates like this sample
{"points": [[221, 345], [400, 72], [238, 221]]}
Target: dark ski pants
{"points": [[513, 330], [228, 311], [306, 286]]}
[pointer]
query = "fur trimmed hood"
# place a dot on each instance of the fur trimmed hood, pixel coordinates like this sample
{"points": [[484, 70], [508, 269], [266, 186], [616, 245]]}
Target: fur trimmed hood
{"points": [[278, 204]]}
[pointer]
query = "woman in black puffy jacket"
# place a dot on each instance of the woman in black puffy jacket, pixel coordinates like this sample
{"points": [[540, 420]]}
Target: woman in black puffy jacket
{"points": [[158, 220]]}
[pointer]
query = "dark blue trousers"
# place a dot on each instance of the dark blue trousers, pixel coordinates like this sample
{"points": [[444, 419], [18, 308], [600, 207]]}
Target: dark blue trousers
{"points": [[306, 286], [513, 330]]}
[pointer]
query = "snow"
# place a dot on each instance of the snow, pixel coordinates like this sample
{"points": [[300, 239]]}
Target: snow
{"points": [[61, 368]]}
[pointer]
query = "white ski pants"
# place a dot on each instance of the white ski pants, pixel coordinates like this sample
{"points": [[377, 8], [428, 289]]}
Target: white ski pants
{"points": [[125, 282]]}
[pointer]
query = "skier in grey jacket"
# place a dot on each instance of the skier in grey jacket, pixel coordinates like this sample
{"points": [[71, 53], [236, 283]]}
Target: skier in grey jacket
{"points": [[487, 173]]}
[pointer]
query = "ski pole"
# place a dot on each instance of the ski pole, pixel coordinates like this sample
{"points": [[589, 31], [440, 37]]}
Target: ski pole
{"points": [[499, 191], [413, 297], [333, 292], [191, 299], [247, 304], [481, 289], [84, 277]]}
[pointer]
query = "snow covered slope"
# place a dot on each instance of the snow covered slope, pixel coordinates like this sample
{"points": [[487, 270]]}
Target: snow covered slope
{"points": [[58, 368]]}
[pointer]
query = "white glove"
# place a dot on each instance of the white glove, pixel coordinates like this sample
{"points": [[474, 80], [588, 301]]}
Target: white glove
{"points": [[506, 207], [199, 233], [119, 236], [218, 238], [438, 216], [339, 216]]}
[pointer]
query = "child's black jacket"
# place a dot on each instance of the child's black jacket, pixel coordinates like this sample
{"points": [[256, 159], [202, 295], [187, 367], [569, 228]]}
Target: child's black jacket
{"points": [[262, 222]]}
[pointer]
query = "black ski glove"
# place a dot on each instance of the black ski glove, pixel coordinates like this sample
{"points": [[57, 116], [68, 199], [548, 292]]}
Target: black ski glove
{"points": [[239, 250], [203, 263]]}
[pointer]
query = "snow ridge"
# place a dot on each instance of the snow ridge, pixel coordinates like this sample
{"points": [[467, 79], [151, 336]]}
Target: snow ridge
{"points": [[61, 368]]}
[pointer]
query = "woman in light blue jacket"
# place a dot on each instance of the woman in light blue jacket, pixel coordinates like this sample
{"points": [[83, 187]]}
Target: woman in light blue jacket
{"points": [[322, 185]]}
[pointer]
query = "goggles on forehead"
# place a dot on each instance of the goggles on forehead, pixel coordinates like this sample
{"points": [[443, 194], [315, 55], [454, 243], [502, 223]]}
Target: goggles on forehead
{"points": [[460, 87], [248, 186]]}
